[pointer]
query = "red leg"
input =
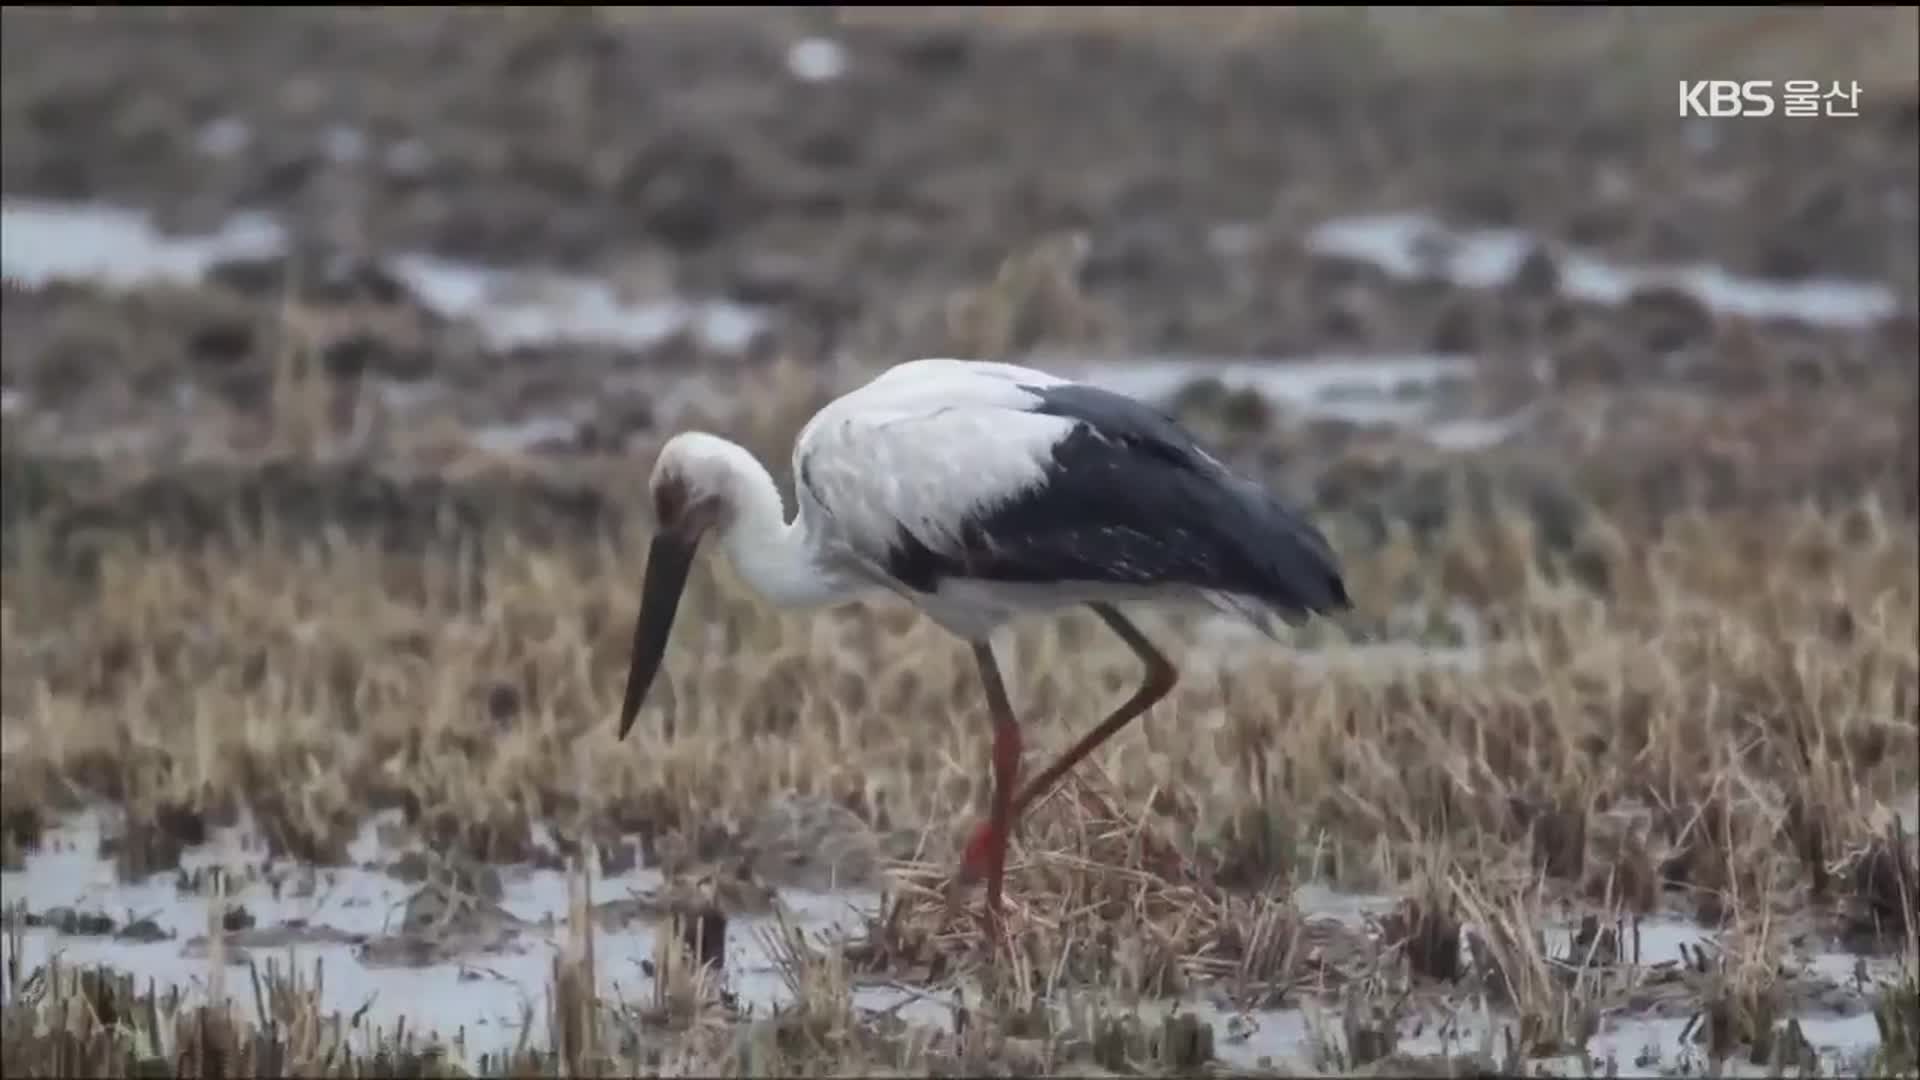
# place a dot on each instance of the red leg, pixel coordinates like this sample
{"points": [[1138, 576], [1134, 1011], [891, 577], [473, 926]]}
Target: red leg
{"points": [[1160, 680], [986, 844], [1006, 773], [986, 850]]}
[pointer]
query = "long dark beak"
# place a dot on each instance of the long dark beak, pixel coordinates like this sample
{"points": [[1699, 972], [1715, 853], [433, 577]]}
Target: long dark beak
{"points": [[667, 564]]}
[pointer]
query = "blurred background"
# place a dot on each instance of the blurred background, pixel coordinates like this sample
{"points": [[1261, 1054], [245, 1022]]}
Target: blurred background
{"points": [[415, 296], [560, 234]]}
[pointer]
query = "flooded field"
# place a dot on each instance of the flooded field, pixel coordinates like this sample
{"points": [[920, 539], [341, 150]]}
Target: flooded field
{"points": [[464, 953], [339, 345]]}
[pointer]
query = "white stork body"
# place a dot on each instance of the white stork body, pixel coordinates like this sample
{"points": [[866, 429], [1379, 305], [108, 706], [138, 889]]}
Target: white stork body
{"points": [[981, 491], [918, 452], [900, 482]]}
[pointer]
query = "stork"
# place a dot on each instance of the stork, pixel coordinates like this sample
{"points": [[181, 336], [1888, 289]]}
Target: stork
{"points": [[982, 491]]}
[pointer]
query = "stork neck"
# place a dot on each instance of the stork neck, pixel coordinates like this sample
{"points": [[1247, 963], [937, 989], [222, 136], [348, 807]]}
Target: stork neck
{"points": [[775, 556]]}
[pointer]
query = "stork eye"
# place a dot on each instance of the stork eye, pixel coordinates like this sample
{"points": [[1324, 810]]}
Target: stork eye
{"points": [[669, 500], [705, 512]]}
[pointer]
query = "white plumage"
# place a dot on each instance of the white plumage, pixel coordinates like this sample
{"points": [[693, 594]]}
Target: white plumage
{"points": [[926, 447], [979, 491]]}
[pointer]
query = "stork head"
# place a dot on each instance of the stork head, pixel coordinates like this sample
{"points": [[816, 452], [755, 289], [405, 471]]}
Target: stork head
{"points": [[695, 485], [697, 488]]}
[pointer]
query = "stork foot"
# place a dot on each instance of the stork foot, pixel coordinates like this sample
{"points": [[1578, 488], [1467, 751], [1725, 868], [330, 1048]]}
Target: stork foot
{"points": [[992, 919], [977, 857], [976, 864], [989, 918]]}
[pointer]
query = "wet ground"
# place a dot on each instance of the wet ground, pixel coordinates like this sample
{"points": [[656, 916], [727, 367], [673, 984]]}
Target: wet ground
{"points": [[196, 358], [591, 140], [273, 261], [465, 952], [445, 948], [1237, 202], [548, 236]]}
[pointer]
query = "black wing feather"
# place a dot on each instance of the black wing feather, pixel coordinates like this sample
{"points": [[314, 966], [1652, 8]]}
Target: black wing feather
{"points": [[1131, 499]]}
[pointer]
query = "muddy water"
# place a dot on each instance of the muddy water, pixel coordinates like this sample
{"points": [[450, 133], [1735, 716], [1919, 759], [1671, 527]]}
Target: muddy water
{"points": [[1296, 1041], [42, 242], [1422, 394], [515, 309], [1415, 245], [1629, 1042], [47, 241], [479, 990], [1361, 389], [51, 241]]}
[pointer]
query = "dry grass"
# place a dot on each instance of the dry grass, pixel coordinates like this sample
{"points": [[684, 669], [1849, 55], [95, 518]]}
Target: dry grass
{"points": [[1746, 688], [1720, 733], [1750, 672]]}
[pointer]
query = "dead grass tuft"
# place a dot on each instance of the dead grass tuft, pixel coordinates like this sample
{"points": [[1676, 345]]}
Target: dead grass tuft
{"points": [[95, 1021], [1426, 931], [1555, 1001], [1744, 1001]]}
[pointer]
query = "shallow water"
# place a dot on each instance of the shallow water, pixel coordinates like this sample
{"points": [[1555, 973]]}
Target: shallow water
{"points": [[1417, 245], [514, 308], [1362, 389], [1476, 433], [45, 241], [1287, 1040], [481, 1000], [816, 59], [42, 242], [49, 240], [481, 996], [526, 435], [1394, 391]]}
